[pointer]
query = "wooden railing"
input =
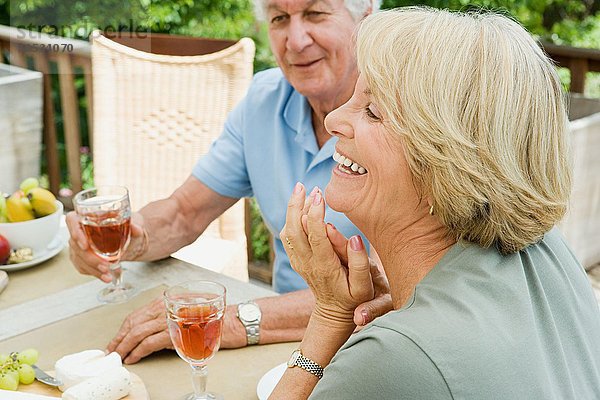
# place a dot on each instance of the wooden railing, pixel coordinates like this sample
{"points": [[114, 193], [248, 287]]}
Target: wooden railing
{"points": [[579, 61], [39, 51]]}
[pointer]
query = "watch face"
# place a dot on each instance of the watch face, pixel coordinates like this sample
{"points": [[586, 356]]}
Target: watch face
{"points": [[294, 357], [249, 312]]}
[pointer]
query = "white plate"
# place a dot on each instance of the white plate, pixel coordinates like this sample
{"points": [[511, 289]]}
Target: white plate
{"points": [[269, 380], [55, 246]]}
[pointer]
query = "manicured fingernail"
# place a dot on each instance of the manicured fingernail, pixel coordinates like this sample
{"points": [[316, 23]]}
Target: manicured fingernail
{"points": [[314, 191], [297, 188], [317, 199], [365, 316], [356, 243]]}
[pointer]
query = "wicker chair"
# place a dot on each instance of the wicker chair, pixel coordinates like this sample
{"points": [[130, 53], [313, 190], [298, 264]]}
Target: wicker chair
{"points": [[158, 104]]}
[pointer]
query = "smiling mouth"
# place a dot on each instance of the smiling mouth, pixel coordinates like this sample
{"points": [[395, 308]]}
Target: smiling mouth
{"points": [[348, 166], [304, 65]]}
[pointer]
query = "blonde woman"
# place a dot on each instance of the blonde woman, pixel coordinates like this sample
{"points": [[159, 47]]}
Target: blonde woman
{"points": [[457, 128]]}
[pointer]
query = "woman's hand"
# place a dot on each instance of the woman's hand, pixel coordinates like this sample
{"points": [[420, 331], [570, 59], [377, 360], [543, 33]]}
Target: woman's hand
{"points": [[339, 287]]}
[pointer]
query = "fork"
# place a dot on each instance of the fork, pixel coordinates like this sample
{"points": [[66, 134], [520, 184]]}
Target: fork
{"points": [[43, 377]]}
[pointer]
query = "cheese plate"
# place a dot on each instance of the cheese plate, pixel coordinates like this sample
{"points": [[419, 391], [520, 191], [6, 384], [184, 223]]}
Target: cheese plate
{"points": [[138, 389]]}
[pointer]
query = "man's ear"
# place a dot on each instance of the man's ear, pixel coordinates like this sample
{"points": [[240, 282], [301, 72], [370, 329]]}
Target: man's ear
{"points": [[369, 10]]}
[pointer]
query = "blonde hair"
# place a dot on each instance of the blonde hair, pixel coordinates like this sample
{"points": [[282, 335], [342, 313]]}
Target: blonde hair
{"points": [[481, 116]]}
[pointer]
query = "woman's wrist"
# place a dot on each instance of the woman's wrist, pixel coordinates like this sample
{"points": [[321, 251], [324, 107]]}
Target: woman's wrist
{"points": [[334, 317], [324, 337]]}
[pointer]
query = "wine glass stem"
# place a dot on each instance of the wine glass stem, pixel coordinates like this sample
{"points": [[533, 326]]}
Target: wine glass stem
{"points": [[199, 377], [116, 273]]}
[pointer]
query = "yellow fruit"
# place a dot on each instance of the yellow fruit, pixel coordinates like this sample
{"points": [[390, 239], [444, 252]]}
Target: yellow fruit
{"points": [[42, 201], [18, 208]]}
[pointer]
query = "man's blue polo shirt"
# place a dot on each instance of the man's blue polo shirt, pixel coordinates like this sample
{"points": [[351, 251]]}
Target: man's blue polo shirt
{"points": [[267, 145]]}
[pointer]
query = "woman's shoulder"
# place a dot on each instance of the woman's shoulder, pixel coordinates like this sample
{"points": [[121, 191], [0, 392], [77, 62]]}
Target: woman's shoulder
{"points": [[381, 363]]}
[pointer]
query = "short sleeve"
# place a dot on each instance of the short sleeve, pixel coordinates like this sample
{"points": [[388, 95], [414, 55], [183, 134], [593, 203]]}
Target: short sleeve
{"points": [[380, 363], [223, 168]]}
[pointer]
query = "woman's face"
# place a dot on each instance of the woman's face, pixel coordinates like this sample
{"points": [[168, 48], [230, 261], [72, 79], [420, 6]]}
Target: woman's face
{"points": [[379, 183]]}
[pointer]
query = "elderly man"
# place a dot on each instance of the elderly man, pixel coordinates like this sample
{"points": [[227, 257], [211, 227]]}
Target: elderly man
{"points": [[274, 138]]}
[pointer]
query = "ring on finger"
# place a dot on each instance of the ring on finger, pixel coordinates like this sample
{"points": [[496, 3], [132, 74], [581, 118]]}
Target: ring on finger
{"points": [[287, 240]]}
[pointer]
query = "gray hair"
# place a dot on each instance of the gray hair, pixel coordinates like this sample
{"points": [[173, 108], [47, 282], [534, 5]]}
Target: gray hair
{"points": [[357, 8]]}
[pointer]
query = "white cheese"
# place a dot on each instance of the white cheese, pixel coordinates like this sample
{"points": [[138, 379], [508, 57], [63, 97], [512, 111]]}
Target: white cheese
{"points": [[75, 368], [111, 385]]}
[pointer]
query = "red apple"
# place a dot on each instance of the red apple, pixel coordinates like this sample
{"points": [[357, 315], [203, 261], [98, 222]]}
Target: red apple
{"points": [[4, 250]]}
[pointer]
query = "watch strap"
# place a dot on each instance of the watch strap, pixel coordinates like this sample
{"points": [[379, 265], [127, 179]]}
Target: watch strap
{"points": [[252, 334], [299, 360], [252, 327]]}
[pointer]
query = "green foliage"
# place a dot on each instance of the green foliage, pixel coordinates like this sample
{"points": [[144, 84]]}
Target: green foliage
{"points": [[560, 21], [260, 235], [564, 22], [87, 169], [223, 19]]}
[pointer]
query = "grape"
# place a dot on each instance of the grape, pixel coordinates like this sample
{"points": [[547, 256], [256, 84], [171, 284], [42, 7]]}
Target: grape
{"points": [[8, 382], [26, 374], [11, 371], [16, 368], [28, 356]]}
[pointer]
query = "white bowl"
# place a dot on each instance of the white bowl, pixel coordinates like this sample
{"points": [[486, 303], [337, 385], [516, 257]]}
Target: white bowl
{"points": [[36, 233]]}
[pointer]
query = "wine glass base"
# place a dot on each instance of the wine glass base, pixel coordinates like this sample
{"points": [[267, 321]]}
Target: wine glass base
{"points": [[207, 396], [114, 294]]}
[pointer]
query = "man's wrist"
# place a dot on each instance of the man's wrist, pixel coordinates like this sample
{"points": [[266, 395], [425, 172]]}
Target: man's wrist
{"points": [[250, 315], [137, 247], [234, 333]]}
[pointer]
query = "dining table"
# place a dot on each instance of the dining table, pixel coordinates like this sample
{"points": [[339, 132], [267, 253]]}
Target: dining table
{"points": [[53, 308]]}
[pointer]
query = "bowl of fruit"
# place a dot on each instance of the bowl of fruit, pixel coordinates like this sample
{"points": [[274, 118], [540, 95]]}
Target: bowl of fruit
{"points": [[29, 222]]}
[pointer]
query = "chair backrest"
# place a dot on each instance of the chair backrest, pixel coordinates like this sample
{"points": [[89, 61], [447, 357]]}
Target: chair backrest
{"points": [[156, 113]]}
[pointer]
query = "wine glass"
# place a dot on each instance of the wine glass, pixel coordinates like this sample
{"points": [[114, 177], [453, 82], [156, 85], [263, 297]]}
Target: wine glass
{"points": [[105, 217], [195, 318]]}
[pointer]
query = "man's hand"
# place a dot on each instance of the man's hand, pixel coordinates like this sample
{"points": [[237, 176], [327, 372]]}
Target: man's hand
{"points": [[381, 303], [86, 261], [145, 331]]}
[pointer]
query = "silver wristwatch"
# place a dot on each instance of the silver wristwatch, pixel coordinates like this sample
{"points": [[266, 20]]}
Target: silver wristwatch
{"points": [[249, 314], [297, 359]]}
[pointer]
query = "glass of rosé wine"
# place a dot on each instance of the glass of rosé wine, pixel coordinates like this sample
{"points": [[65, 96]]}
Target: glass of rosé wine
{"points": [[195, 318], [105, 217]]}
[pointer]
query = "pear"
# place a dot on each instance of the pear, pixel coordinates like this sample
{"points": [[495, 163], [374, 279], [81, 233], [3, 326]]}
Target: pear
{"points": [[29, 184], [18, 208], [3, 217], [42, 201]]}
